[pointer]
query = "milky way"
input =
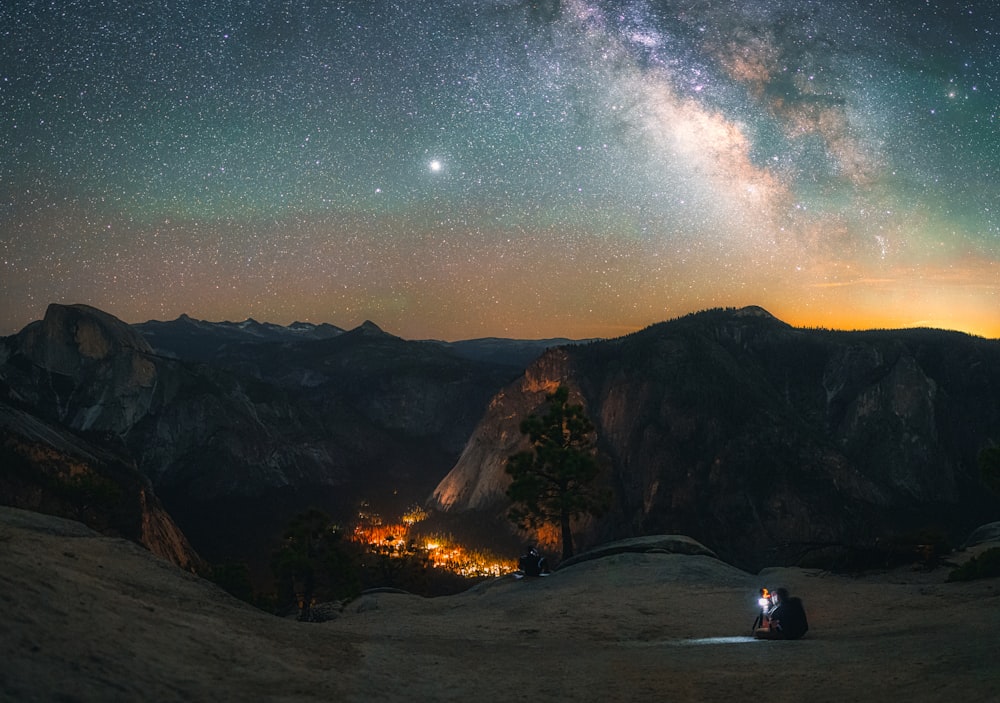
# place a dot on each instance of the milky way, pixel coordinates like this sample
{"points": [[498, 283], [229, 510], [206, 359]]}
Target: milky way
{"points": [[464, 168]]}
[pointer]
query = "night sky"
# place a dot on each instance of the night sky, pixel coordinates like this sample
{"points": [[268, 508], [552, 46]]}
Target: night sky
{"points": [[455, 169]]}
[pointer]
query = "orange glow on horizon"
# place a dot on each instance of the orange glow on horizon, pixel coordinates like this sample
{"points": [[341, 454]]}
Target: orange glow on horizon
{"points": [[980, 325]]}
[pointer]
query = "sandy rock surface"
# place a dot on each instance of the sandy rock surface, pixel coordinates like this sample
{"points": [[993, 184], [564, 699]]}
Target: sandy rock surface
{"points": [[87, 618]]}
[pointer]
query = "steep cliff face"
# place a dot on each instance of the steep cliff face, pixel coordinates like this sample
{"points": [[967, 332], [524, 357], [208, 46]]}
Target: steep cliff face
{"points": [[210, 442], [189, 427], [756, 438], [237, 446], [420, 390], [47, 468], [478, 480], [86, 368]]}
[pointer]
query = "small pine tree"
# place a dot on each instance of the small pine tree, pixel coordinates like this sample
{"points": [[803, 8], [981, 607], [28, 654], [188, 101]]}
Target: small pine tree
{"points": [[314, 561], [553, 482]]}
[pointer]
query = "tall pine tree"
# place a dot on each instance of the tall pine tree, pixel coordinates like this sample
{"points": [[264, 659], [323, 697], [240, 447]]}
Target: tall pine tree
{"points": [[554, 482]]}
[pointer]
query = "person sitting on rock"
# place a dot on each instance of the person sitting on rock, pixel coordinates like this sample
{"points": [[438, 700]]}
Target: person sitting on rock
{"points": [[786, 619], [532, 563]]}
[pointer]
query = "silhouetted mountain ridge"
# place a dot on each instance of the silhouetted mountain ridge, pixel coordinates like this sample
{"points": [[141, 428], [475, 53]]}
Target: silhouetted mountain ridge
{"points": [[757, 438], [200, 340], [752, 436], [259, 423]]}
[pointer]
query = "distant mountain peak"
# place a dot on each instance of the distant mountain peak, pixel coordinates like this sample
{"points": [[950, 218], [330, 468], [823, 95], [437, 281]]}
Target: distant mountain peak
{"points": [[754, 311], [368, 330], [88, 331], [369, 327]]}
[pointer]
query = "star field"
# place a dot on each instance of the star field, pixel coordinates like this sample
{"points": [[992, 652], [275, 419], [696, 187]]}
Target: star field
{"points": [[466, 168]]}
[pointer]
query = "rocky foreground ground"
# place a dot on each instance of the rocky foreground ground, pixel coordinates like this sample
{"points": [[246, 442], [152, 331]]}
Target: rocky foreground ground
{"points": [[88, 618]]}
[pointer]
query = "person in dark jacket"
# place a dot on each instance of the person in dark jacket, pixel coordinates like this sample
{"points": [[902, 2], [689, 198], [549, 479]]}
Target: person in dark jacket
{"points": [[786, 619], [532, 563]]}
